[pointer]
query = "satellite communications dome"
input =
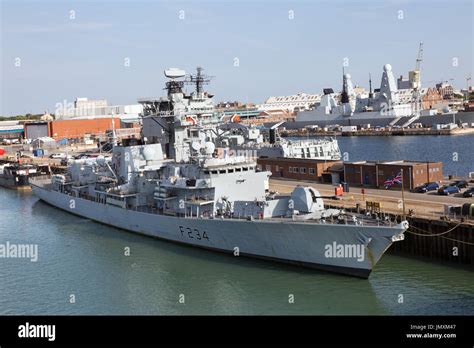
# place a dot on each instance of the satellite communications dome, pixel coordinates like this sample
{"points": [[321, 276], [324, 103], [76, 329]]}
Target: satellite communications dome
{"points": [[387, 67]]}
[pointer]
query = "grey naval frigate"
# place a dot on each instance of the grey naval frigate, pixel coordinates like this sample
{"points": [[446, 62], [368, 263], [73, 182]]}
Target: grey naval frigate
{"points": [[180, 189]]}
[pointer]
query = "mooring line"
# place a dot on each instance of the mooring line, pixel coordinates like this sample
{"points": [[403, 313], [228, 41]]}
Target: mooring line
{"points": [[430, 234]]}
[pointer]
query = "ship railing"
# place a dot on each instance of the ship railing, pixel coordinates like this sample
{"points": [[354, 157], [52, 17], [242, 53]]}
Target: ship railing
{"points": [[42, 177]]}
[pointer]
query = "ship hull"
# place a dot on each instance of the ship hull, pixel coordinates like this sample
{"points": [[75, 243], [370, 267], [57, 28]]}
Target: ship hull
{"points": [[301, 244], [11, 182], [360, 119]]}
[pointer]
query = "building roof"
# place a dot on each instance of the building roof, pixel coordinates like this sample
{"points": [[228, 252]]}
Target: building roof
{"points": [[396, 162], [302, 160]]}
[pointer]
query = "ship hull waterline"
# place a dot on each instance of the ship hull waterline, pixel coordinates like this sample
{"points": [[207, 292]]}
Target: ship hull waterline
{"points": [[300, 244]]}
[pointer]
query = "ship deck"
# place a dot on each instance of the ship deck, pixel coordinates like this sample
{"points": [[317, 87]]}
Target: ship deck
{"points": [[361, 220]]}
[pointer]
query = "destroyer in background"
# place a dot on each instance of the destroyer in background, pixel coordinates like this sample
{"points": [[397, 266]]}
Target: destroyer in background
{"points": [[385, 106], [182, 190]]}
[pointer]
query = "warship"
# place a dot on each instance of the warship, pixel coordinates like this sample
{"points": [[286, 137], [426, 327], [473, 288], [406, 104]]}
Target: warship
{"points": [[385, 106], [182, 190]]}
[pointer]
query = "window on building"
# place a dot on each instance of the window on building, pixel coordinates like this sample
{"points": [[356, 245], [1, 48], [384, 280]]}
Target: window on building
{"points": [[311, 171], [268, 168], [290, 169], [277, 169], [302, 170]]}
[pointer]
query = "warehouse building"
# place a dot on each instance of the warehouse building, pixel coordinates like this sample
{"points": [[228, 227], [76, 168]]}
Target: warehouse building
{"points": [[297, 168], [374, 173], [11, 130], [71, 128], [34, 130]]}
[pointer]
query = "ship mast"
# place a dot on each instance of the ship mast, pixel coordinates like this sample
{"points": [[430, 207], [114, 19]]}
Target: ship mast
{"points": [[371, 94], [344, 95]]}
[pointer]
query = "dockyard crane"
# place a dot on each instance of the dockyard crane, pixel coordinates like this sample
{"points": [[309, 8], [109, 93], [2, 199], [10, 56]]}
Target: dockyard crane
{"points": [[419, 59]]}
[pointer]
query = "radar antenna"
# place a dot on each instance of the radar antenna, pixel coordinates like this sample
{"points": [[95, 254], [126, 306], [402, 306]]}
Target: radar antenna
{"points": [[198, 80], [174, 86]]}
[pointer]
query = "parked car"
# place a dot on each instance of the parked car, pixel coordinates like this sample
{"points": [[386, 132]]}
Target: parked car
{"points": [[58, 155], [469, 192], [429, 186], [64, 161], [459, 183], [448, 190], [83, 155]]}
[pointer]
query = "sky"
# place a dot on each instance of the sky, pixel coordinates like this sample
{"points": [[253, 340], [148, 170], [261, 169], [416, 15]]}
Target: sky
{"points": [[55, 51]]}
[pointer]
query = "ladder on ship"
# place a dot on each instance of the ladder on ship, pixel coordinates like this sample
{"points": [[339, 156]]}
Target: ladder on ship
{"points": [[393, 122], [410, 121]]}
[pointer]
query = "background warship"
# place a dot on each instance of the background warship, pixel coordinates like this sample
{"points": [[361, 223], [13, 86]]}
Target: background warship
{"points": [[176, 186], [386, 106]]}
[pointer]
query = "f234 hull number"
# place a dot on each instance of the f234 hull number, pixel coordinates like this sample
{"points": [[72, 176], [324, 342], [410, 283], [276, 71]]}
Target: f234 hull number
{"points": [[193, 233]]}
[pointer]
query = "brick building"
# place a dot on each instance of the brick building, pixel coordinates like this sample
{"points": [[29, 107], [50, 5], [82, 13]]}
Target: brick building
{"points": [[374, 174], [78, 128], [296, 168], [70, 128]]}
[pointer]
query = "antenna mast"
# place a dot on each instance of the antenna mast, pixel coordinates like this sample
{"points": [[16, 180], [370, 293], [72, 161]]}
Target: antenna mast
{"points": [[419, 59], [198, 80]]}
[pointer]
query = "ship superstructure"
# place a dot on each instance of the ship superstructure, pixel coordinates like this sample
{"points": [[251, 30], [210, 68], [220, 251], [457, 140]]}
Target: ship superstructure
{"points": [[266, 142], [201, 122]]}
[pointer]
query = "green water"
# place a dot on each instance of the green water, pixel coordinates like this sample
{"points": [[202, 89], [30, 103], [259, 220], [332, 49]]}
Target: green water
{"points": [[85, 259]]}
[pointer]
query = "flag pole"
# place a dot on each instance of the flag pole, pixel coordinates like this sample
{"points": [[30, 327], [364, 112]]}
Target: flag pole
{"points": [[403, 196]]}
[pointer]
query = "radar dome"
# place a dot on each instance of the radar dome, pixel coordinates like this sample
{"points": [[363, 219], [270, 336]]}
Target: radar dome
{"points": [[210, 147], [196, 146], [347, 76], [148, 153], [100, 160], [387, 67]]}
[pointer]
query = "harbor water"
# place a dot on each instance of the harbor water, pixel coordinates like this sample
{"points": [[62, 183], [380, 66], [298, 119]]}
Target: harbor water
{"points": [[456, 152], [82, 268]]}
